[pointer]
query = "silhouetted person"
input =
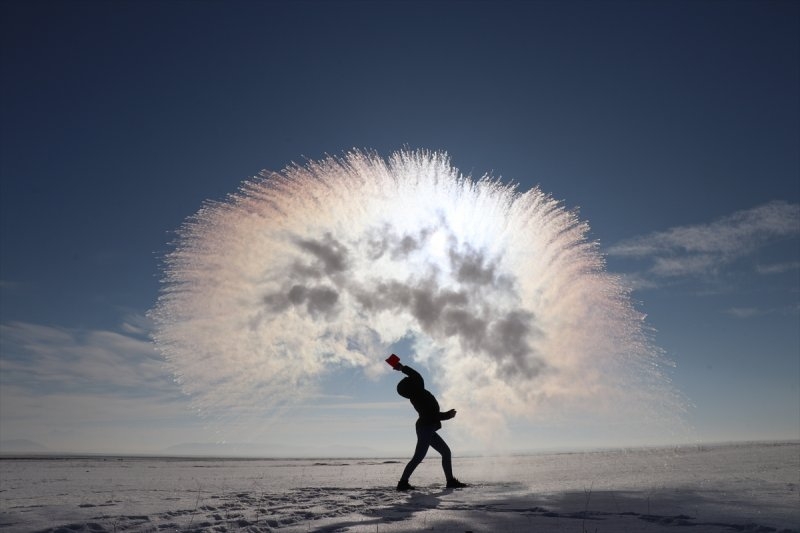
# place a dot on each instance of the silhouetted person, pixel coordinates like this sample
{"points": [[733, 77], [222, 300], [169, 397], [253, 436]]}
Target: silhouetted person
{"points": [[429, 422]]}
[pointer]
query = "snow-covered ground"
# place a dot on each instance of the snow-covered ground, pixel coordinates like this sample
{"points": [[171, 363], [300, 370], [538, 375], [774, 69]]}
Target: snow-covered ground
{"points": [[742, 487]]}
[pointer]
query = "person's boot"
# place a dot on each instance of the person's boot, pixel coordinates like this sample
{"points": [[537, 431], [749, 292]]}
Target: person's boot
{"points": [[455, 484], [404, 486]]}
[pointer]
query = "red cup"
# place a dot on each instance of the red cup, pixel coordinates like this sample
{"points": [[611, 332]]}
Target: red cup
{"points": [[393, 361]]}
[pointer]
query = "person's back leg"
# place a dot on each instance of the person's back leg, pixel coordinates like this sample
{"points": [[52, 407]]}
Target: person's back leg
{"points": [[438, 444]]}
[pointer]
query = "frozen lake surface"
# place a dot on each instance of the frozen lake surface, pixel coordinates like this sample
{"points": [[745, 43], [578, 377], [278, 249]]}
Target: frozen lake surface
{"points": [[741, 487]]}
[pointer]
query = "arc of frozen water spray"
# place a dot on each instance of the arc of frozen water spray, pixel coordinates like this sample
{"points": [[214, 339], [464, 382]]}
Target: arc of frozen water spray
{"points": [[331, 262]]}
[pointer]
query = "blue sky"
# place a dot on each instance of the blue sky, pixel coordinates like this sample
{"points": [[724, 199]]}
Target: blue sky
{"points": [[673, 127]]}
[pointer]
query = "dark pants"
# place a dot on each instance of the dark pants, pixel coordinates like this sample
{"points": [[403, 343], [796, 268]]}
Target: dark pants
{"points": [[427, 437]]}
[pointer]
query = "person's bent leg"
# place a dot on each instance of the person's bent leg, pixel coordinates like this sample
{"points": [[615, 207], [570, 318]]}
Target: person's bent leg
{"points": [[423, 442], [438, 444]]}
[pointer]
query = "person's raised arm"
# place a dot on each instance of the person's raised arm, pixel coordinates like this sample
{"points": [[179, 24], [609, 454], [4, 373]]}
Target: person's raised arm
{"points": [[411, 373]]}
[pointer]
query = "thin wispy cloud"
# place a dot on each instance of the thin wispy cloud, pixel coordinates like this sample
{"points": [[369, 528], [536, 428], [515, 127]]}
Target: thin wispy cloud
{"points": [[85, 390], [94, 422], [137, 325], [778, 268], [704, 249], [363, 406], [48, 360], [752, 312], [744, 312]]}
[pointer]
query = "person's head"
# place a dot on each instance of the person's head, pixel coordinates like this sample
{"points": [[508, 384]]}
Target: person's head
{"points": [[406, 387]]}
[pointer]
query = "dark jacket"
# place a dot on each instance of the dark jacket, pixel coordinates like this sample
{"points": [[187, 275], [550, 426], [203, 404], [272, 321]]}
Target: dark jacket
{"points": [[413, 388]]}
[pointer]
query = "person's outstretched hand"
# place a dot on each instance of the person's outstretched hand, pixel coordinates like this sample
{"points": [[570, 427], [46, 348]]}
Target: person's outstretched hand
{"points": [[398, 366], [450, 414]]}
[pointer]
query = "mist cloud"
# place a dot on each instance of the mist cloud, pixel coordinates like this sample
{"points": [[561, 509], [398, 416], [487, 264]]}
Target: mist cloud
{"points": [[498, 292], [460, 312]]}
